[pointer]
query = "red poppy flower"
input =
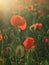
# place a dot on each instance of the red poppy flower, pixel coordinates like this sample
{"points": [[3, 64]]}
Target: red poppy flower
{"points": [[38, 25], [40, 13], [18, 21], [31, 8], [21, 7], [28, 43], [1, 37], [46, 40]]}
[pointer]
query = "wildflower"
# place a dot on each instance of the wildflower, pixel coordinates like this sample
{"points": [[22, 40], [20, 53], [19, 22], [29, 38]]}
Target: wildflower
{"points": [[28, 43], [40, 13], [18, 21], [46, 40], [38, 25], [21, 7], [1, 37], [31, 8]]}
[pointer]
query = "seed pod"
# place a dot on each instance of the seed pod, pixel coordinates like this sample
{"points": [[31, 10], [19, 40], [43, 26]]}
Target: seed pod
{"points": [[20, 51]]}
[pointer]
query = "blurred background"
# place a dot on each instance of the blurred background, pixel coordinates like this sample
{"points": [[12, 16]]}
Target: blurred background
{"points": [[12, 50]]}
